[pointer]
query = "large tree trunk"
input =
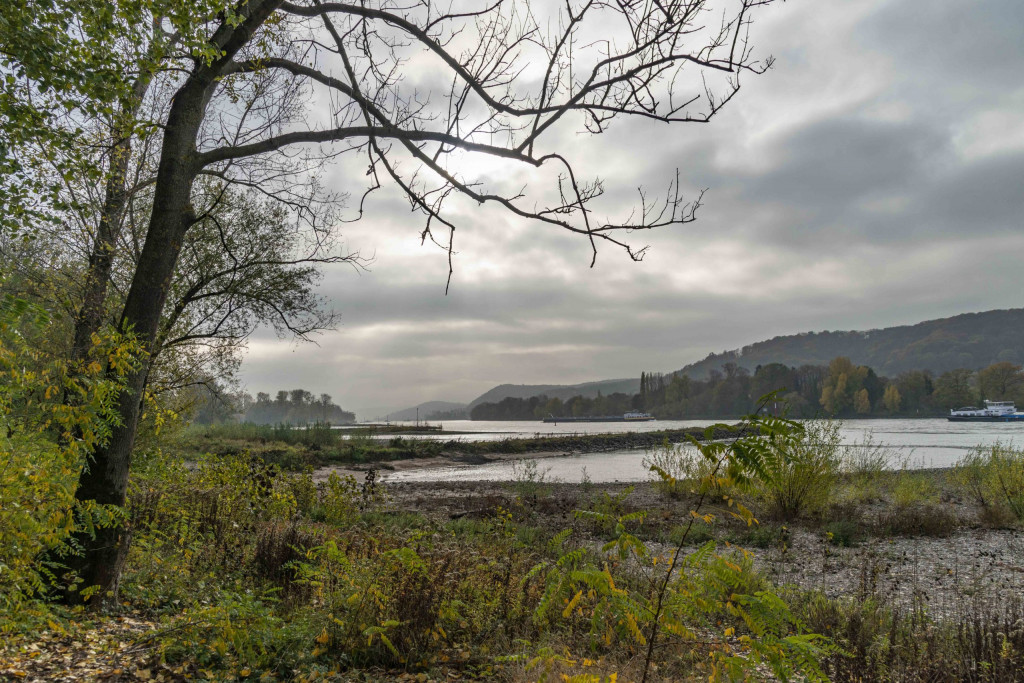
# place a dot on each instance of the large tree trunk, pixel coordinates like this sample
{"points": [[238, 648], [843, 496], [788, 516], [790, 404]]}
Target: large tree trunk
{"points": [[105, 478], [101, 260]]}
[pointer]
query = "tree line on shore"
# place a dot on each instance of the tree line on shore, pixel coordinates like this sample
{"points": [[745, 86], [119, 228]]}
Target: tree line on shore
{"points": [[840, 389], [297, 406], [294, 407]]}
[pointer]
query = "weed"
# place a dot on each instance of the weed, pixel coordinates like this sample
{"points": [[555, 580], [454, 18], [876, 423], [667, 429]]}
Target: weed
{"points": [[801, 471], [917, 520], [680, 470], [699, 534], [994, 477], [865, 465], [530, 481], [914, 487], [878, 643], [844, 533], [757, 536]]}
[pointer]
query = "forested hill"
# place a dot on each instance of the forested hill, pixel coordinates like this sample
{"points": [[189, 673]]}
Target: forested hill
{"points": [[971, 340], [559, 391]]}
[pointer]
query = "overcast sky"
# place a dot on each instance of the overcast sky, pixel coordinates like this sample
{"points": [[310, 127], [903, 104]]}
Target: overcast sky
{"points": [[874, 177]]}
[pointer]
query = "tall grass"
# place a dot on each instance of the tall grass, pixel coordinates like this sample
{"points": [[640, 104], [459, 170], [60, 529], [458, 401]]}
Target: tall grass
{"points": [[979, 643], [801, 476], [316, 435], [994, 477], [688, 472], [864, 465]]}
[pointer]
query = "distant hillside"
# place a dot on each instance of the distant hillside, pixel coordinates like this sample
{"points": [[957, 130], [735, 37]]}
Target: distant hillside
{"points": [[433, 410], [971, 340], [560, 391]]}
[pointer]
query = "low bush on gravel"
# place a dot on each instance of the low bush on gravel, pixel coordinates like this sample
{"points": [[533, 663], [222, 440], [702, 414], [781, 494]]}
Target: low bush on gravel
{"points": [[994, 477]]}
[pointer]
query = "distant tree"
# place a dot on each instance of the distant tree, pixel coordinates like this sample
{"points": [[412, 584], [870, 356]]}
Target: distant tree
{"points": [[297, 407], [810, 382], [797, 405], [891, 399], [861, 402], [1001, 381], [553, 406], [915, 389], [772, 377], [731, 396], [954, 389], [677, 389], [324, 403], [841, 385]]}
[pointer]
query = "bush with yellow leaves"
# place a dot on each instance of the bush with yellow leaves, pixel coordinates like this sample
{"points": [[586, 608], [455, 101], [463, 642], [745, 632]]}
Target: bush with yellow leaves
{"points": [[52, 415], [703, 604]]}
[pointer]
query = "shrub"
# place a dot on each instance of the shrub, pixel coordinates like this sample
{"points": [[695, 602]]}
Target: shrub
{"points": [[844, 533], [52, 415], [529, 480], [917, 520], [680, 470], [758, 536], [977, 643], [801, 471], [665, 599], [913, 488], [994, 477], [865, 465]]}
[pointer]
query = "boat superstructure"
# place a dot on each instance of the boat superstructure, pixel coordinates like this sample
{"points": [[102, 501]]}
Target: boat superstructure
{"points": [[994, 411]]}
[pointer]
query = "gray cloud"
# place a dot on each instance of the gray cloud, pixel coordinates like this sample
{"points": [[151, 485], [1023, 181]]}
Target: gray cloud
{"points": [[874, 177]]}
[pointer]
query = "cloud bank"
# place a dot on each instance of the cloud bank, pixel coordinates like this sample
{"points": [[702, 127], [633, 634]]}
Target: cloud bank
{"points": [[874, 177]]}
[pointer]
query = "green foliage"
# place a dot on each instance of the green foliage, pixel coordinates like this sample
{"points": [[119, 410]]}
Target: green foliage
{"points": [[756, 536], [606, 510], [237, 632], [263, 570], [680, 469], [994, 477], [800, 470], [843, 532], [530, 481], [52, 414], [676, 596], [913, 488], [67, 61], [879, 642]]}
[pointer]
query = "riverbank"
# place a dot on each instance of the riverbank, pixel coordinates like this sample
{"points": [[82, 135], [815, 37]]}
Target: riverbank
{"points": [[243, 572], [937, 550], [296, 449]]}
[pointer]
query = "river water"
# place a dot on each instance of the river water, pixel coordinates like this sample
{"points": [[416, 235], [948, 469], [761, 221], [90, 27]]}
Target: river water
{"points": [[907, 443]]}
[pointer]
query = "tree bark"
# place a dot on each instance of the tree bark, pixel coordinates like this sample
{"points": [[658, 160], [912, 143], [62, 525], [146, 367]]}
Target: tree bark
{"points": [[101, 260], [105, 477]]}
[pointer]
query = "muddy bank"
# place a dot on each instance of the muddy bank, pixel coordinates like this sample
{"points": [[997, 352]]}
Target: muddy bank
{"points": [[459, 460], [584, 443], [467, 454]]}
